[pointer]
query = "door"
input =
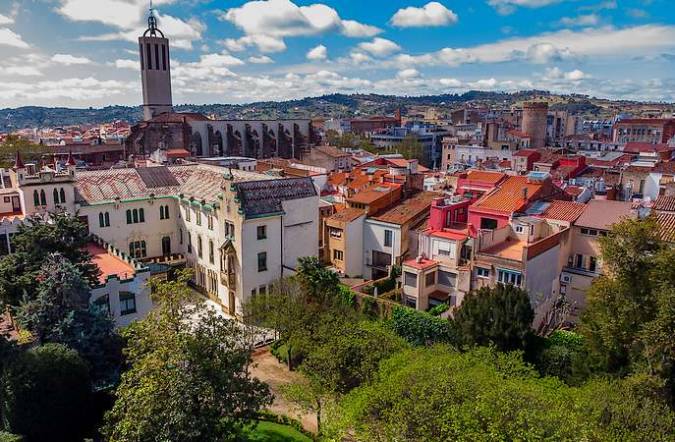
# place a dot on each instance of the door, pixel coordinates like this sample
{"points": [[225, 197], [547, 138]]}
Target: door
{"points": [[16, 204], [166, 246], [231, 304]]}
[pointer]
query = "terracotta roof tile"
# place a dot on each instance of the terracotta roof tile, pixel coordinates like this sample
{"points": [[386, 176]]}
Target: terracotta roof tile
{"points": [[108, 264], [601, 214], [347, 215], [666, 222], [563, 210], [408, 209], [664, 204], [485, 176], [509, 196]]}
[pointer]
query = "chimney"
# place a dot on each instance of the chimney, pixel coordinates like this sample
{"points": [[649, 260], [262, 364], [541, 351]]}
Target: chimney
{"points": [[524, 193]]}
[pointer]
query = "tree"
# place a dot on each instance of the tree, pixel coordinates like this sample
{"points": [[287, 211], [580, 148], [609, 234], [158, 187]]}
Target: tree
{"points": [[411, 148], [27, 149], [499, 316], [437, 394], [34, 242], [629, 317], [421, 328], [321, 282], [60, 312], [45, 394], [188, 378], [564, 356]]}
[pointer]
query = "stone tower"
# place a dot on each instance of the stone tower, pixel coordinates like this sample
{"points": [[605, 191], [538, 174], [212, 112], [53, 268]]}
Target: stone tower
{"points": [[534, 122], [155, 70]]}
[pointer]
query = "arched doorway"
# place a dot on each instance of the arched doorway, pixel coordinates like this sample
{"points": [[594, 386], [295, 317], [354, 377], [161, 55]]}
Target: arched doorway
{"points": [[166, 246], [196, 144]]}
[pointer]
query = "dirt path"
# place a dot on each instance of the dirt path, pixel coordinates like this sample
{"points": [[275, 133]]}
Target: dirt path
{"points": [[266, 368]]}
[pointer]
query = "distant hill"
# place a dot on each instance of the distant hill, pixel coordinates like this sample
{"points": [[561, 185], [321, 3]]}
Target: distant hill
{"points": [[327, 106]]}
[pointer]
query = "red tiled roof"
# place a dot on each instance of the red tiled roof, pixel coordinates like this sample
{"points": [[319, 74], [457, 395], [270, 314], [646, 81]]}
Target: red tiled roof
{"points": [[347, 215], [332, 151], [408, 209], [601, 214], [664, 204], [525, 153], [666, 222], [574, 190], [635, 147], [509, 196], [563, 210], [484, 176], [177, 153]]}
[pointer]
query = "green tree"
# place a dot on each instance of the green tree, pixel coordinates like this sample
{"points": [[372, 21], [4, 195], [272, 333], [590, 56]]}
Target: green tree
{"points": [[321, 282], [411, 148], [28, 150], [34, 242], [421, 328], [45, 394], [437, 394], [629, 317], [500, 316], [564, 356], [60, 312], [188, 378]]}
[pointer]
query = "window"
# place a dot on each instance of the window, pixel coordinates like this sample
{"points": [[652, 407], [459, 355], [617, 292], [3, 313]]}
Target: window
{"points": [[410, 279], [488, 223], [262, 261], [43, 198], [129, 220], [338, 254], [199, 246], [262, 290], [482, 272], [262, 232], [520, 229], [592, 263], [388, 238], [188, 214], [589, 232], [36, 198], [211, 254], [104, 219], [198, 217], [509, 277], [137, 249], [447, 279], [180, 236], [135, 215], [163, 212], [209, 222], [229, 230], [430, 279], [141, 215], [335, 233], [56, 197], [189, 245], [62, 193], [579, 261], [103, 302], [127, 303]]}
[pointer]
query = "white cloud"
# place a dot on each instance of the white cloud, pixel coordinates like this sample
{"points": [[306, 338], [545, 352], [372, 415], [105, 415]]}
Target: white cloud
{"points": [[129, 18], [68, 90], [319, 52], [379, 47], [219, 60], [581, 20], [431, 14], [11, 38], [450, 82], [564, 44], [575, 75], [506, 7], [127, 64], [20, 71], [407, 74], [5, 20], [556, 74], [68, 60], [359, 57], [271, 21], [262, 59]]}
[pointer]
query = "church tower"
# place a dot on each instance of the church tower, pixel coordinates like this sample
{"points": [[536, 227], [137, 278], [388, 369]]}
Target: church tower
{"points": [[155, 70]]}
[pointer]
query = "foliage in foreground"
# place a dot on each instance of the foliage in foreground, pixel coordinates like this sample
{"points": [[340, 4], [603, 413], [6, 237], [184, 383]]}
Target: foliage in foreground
{"points": [[437, 394], [45, 394], [189, 377]]}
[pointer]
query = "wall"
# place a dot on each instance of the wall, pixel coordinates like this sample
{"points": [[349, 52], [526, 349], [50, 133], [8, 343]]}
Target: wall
{"points": [[354, 247], [540, 275], [373, 240], [113, 287]]}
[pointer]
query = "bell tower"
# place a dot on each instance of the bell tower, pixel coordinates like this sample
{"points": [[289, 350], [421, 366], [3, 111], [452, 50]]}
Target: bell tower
{"points": [[155, 70]]}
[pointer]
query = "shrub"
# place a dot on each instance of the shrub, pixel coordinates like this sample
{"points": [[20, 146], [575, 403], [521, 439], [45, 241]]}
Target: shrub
{"points": [[421, 328], [439, 309]]}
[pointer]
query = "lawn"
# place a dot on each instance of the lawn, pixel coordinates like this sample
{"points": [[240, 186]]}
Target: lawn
{"points": [[273, 432]]}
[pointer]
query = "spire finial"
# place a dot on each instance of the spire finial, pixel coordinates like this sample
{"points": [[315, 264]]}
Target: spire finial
{"points": [[152, 23]]}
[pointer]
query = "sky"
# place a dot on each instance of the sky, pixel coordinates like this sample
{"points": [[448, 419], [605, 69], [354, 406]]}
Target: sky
{"points": [[82, 53]]}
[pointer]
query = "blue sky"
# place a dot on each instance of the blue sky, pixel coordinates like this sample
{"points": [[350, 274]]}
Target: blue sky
{"points": [[83, 52]]}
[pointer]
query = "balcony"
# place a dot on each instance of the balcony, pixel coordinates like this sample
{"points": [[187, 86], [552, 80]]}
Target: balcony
{"points": [[229, 280]]}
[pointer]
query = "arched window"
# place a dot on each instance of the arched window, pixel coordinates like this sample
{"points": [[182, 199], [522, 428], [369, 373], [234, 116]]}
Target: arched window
{"points": [[180, 236], [129, 221], [161, 212], [107, 219], [141, 215], [166, 212], [101, 220], [211, 257], [43, 197], [63, 195], [56, 196], [135, 215], [199, 246], [36, 198]]}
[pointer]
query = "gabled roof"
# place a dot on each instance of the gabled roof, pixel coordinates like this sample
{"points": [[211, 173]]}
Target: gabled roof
{"points": [[666, 222], [407, 210], [332, 151], [563, 210], [508, 197], [347, 215], [265, 197], [636, 147], [602, 214]]}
